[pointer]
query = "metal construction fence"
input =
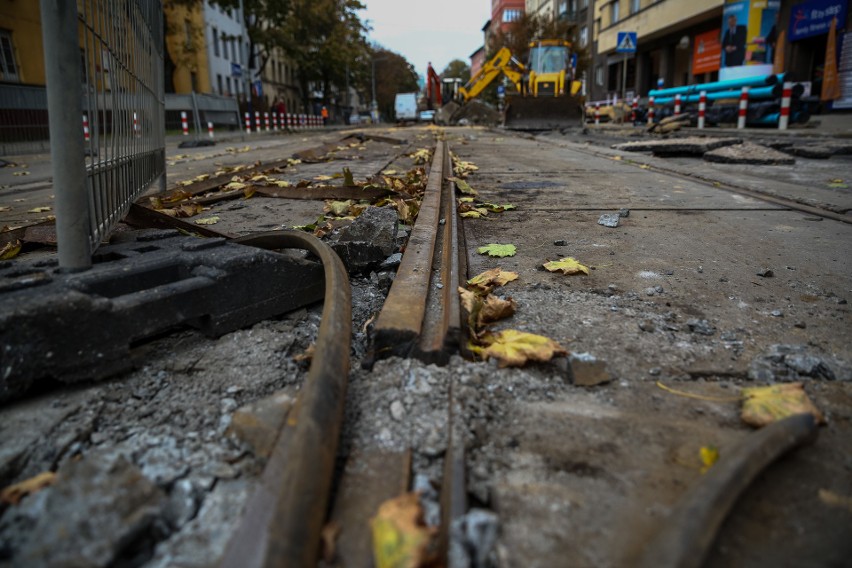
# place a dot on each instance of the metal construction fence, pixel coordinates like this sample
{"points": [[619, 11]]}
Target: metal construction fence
{"points": [[221, 112], [108, 144]]}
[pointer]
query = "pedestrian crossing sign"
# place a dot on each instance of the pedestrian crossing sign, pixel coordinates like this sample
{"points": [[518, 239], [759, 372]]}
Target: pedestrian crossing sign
{"points": [[626, 42]]}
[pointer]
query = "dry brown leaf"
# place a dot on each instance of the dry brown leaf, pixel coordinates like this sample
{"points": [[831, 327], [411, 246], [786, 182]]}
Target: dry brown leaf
{"points": [[495, 309], [13, 494], [490, 279]]}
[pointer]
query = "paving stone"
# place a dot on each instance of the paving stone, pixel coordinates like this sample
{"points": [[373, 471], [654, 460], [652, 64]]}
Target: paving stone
{"points": [[690, 146], [749, 153]]}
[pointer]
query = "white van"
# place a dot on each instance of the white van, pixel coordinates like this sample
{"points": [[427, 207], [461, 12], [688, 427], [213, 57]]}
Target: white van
{"points": [[405, 107]]}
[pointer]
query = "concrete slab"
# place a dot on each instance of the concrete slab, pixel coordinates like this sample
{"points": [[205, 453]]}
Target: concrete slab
{"points": [[689, 146], [749, 153]]}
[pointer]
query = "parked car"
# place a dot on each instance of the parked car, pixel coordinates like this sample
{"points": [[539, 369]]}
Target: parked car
{"points": [[427, 116]]}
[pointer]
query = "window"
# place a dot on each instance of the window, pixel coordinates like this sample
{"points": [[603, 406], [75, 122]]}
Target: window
{"points": [[584, 36], [224, 46], [193, 80], [219, 83], [635, 6], [235, 48], [613, 12], [599, 75], [215, 42], [512, 15], [228, 82]]}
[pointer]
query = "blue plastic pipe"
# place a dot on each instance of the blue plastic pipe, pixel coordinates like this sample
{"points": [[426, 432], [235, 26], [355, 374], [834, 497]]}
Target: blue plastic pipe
{"points": [[753, 94], [762, 81]]}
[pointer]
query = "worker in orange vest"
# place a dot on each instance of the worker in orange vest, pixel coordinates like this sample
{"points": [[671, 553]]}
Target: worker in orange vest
{"points": [[324, 113]]}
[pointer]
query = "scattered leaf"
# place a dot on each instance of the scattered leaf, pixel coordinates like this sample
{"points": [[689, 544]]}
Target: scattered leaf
{"points": [[348, 178], [490, 279], [338, 208], [389, 172], [249, 191], [13, 494], [207, 221], [401, 539], [283, 183], [462, 185], [471, 215], [39, 210], [709, 455], [838, 185], [514, 348], [567, 265], [494, 249], [465, 199], [235, 185], [495, 309], [617, 158], [495, 208], [3, 209], [323, 178], [328, 539], [306, 356], [833, 499], [645, 166], [765, 405], [10, 250], [21, 173]]}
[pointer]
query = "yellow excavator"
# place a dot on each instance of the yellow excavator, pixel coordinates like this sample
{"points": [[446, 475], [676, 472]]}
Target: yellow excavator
{"points": [[545, 93]]}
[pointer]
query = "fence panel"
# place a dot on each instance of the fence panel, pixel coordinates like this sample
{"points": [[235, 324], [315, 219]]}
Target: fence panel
{"points": [[107, 139], [23, 119]]}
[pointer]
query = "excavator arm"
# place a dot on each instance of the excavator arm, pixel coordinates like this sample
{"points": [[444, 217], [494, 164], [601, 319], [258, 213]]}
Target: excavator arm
{"points": [[504, 63]]}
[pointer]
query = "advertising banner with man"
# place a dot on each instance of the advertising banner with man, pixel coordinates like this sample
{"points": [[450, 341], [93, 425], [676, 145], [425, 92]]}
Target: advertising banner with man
{"points": [[749, 35]]}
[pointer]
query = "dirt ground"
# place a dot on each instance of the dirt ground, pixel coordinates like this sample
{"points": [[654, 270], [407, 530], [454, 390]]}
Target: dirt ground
{"points": [[149, 473]]}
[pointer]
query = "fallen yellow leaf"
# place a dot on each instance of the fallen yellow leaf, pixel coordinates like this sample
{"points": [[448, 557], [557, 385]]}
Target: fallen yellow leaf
{"points": [[567, 265], [235, 185], [765, 405], [10, 250], [39, 210], [495, 309], [514, 348], [490, 279], [207, 221], [709, 455], [401, 539]]}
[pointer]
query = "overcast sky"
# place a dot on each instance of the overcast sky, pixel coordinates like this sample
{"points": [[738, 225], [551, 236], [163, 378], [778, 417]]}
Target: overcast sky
{"points": [[428, 30]]}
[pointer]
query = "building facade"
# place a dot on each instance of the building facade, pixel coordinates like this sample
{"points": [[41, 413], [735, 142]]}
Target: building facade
{"points": [[679, 42], [504, 13], [226, 50]]}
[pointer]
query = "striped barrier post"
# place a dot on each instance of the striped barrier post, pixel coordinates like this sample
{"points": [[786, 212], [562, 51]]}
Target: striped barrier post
{"points": [[136, 125], [248, 123], [290, 122], [786, 96], [650, 110], [257, 121], [635, 109], [275, 121], [303, 122], [597, 113], [210, 129], [741, 119], [86, 135], [702, 108], [184, 124], [266, 121], [677, 105]]}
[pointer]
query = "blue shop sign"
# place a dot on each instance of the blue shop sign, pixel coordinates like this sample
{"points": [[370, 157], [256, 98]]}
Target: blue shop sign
{"points": [[814, 17]]}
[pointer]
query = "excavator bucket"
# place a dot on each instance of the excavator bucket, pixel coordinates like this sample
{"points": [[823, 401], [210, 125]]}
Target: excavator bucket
{"points": [[543, 113]]}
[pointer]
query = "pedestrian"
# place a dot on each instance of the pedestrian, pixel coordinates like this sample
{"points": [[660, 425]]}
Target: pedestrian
{"points": [[324, 115]]}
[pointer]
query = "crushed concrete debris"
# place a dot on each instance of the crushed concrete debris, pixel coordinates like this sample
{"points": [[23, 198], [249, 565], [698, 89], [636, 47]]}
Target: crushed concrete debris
{"points": [[476, 113], [689, 146], [377, 226], [790, 362], [701, 326], [765, 273], [749, 153], [609, 220]]}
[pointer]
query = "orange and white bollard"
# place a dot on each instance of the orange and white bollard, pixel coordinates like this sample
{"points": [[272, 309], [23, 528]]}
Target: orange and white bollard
{"points": [[184, 124], [248, 123], [210, 129], [677, 105], [741, 119], [597, 113], [650, 110], [786, 97], [702, 108], [266, 120], [86, 135]]}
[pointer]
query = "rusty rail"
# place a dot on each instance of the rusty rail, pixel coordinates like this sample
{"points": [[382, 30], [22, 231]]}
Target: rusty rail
{"points": [[283, 520]]}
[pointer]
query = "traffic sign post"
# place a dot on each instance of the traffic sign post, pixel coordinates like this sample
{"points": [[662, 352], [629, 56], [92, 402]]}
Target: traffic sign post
{"points": [[626, 44]]}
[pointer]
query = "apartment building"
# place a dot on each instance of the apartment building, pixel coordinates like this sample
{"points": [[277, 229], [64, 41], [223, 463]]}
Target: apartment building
{"points": [[504, 13], [227, 50]]}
